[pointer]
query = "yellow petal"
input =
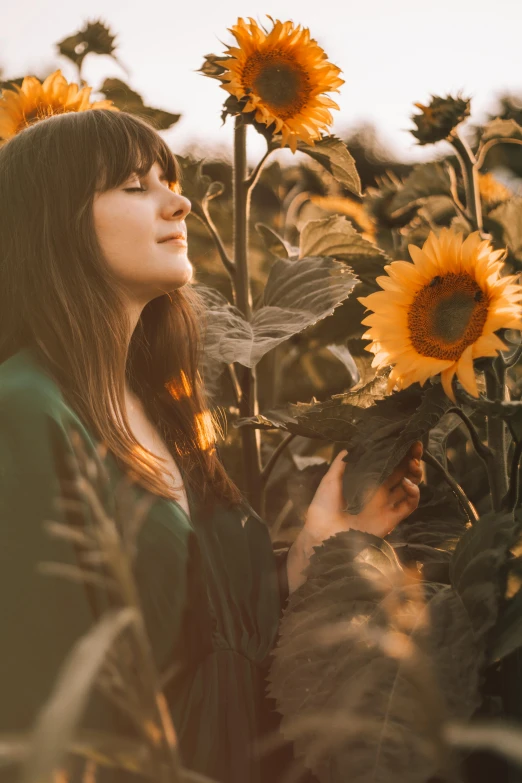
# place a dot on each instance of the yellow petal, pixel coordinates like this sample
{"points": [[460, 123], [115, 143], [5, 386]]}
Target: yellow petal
{"points": [[465, 372]]}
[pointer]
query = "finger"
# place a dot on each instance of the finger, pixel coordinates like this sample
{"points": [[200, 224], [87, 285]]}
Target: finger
{"points": [[414, 472], [406, 506], [396, 495], [337, 465], [417, 450]]}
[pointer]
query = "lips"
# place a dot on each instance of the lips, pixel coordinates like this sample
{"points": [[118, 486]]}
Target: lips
{"points": [[176, 236]]}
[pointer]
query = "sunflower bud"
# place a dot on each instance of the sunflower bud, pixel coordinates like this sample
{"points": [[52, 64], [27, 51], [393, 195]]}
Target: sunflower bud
{"points": [[440, 118]]}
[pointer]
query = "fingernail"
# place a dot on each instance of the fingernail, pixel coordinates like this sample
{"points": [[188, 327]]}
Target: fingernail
{"points": [[408, 482]]}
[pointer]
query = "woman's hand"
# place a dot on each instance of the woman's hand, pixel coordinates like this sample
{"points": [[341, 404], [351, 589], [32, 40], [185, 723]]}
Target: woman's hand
{"points": [[392, 502]]}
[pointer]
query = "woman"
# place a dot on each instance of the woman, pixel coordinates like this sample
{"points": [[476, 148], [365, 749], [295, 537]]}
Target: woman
{"points": [[99, 332]]}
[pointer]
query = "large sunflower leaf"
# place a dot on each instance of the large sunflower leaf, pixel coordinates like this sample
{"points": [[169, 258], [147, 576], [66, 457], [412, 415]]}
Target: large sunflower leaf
{"points": [[354, 708], [478, 568], [335, 419], [427, 179], [333, 154], [335, 236], [296, 295], [385, 435]]}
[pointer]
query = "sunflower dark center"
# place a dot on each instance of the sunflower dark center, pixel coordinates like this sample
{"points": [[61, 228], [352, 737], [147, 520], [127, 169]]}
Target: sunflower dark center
{"points": [[447, 316], [279, 80]]}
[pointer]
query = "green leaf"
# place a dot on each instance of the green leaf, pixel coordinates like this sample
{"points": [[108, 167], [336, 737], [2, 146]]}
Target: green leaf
{"points": [[429, 535], [335, 419], [385, 435], [276, 245], [501, 129], [333, 154], [426, 179], [296, 295], [439, 436], [335, 236], [369, 666], [508, 216], [57, 722], [478, 568], [127, 99]]}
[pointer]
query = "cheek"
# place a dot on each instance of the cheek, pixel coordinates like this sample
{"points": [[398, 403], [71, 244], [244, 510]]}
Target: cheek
{"points": [[122, 232]]}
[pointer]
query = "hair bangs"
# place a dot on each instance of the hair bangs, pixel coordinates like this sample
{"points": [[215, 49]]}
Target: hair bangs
{"points": [[130, 146]]}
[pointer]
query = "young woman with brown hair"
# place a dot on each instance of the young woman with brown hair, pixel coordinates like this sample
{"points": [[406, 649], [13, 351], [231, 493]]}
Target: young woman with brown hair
{"points": [[100, 332]]}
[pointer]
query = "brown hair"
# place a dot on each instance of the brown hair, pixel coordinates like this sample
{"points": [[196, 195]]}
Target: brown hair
{"points": [[59, 298]]}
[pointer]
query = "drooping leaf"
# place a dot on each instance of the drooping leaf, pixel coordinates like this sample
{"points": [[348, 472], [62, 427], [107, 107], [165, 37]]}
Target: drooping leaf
{"points": [[478, 568], [296, 295], [501, 129], [276, 245], [426, 179], [57, 722], [333, 154], [439, 436], [129, 100], [385, 435], [369, 665]]}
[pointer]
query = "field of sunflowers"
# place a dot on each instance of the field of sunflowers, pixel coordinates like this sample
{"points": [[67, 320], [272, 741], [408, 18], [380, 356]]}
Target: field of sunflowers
{"points": [[360, 304]]}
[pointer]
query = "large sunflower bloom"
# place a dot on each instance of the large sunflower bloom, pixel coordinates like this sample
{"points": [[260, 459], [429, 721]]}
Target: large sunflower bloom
{"points": [[284, 74], [439, 313], [36, 100]]}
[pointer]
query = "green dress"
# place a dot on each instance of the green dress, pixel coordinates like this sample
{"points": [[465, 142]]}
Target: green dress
{"points": [[208, 587]]}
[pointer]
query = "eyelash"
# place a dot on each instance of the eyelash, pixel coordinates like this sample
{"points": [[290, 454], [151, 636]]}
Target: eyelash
{"points": [[134, 190]]}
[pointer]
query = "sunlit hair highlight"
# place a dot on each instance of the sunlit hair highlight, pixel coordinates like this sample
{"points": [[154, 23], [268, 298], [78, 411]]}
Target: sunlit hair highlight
{"points": [[59, 298]]}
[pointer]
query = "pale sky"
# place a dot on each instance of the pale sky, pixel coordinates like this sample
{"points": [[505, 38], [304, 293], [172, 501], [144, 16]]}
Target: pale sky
{"points": [[392, 54]]}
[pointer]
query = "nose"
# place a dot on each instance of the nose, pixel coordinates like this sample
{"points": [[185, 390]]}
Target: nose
{"points": [[179, 206]]}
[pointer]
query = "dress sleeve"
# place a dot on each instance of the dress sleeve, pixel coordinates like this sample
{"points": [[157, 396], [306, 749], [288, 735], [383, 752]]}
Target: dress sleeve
{"points": [[41, 616]]}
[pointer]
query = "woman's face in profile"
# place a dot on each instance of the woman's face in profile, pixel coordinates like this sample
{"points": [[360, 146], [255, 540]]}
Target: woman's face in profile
{"points": [[131, 221]]}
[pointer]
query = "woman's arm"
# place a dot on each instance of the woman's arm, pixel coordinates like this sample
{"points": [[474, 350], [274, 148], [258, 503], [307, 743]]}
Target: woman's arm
{"points": [[394, 500]]}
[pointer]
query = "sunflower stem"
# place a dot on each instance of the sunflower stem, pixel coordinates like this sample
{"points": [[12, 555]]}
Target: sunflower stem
{"points": [[251, 181], [483, 451], [248, 403], [468, 164], [457, 490], [496, 432], [214, 233]]}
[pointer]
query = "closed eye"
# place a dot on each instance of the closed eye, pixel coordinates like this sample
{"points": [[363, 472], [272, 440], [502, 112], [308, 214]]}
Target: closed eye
{"points": [[134, 190]]}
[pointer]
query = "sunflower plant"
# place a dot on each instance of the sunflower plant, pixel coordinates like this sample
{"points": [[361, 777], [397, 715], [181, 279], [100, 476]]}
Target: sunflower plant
{"points": [[433, 294]]}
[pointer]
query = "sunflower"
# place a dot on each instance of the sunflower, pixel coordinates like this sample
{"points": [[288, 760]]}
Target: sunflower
{"points": [[36, 100], [283, 75], [439, 313]]}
